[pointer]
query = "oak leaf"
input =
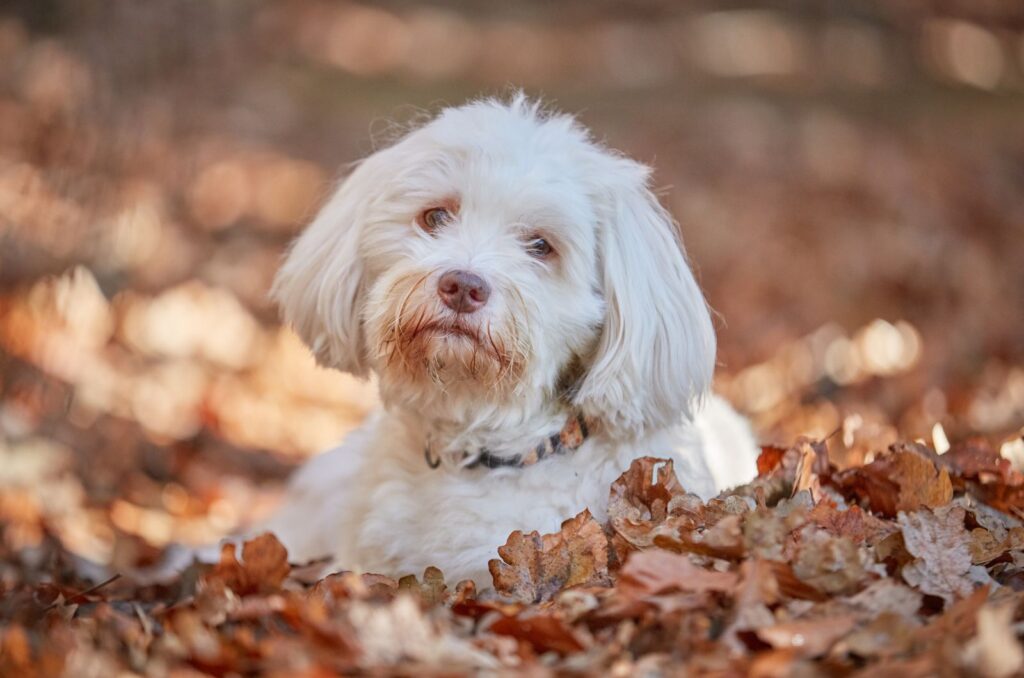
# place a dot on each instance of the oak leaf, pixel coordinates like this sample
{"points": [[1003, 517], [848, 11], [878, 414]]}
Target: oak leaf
{"points": [[644, 497], [533, 568], [941, 547], [264, 565]]}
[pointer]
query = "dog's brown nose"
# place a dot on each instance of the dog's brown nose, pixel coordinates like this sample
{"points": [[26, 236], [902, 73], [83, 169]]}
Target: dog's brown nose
{"points": [[462, 291]]}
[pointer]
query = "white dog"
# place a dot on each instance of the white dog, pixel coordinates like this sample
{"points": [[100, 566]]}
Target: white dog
{"points": [[528, 311]]}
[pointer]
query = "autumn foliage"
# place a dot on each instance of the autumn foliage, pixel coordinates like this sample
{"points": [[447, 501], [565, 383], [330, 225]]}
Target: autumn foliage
{"points": [[911, 564]]}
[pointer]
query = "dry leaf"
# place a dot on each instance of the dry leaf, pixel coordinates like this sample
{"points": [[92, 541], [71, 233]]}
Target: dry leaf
{"points": [[830, 564], [854, 523], [941, 546], [886, 596], [264, 565], [431, 591], [545, 630], [657, 571], [886, 635], [534, 568], [640, 499], [995, 652], [807, 637], [905, 479]]}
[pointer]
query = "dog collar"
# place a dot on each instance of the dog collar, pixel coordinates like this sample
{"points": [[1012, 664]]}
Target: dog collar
{"points": [[569, 439]]}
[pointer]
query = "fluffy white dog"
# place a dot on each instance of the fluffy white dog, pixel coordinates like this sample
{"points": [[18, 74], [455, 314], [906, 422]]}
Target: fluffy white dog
{"points": [[528, 311]]}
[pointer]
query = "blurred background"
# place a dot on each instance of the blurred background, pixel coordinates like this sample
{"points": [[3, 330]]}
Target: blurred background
{"points": [[849, 179]]}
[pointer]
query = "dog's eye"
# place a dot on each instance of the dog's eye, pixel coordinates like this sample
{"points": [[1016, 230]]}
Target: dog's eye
{"points": [[434, 218], [539, 248]]}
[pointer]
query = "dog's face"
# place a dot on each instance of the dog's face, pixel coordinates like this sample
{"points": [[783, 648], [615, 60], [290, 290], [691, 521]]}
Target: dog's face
{"points": [[497, 254]]}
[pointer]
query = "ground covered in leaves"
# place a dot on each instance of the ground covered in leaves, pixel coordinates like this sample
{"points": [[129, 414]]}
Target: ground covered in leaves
{"points": [[912, 564], [848, 183]]}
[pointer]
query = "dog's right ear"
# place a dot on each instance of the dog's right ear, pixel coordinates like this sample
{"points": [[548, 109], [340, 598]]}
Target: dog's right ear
{"points": [[319, 288]]}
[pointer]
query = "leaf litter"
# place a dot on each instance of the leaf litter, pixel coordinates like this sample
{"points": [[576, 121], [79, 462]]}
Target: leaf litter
{"points": [[892, 566]]}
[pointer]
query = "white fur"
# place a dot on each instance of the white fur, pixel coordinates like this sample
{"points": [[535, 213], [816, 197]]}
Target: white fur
{"points": [[613, 326]]}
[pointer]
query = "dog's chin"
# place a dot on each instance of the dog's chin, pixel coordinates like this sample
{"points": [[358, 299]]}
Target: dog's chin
{"points": [[448, 354]]}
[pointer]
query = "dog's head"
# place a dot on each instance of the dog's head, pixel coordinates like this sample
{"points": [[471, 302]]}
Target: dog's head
{"points": [[498, 251]]}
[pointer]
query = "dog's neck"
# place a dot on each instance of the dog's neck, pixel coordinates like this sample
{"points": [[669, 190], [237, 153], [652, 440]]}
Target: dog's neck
{"points": [[452, 427]]}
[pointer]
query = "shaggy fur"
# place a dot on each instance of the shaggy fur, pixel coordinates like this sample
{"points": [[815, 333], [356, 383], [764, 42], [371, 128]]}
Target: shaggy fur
{"points": [[611, 324]]}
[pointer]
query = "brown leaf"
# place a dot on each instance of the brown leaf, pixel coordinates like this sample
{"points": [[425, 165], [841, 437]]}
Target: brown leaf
{"points": [[978, 468], [264, 566], [758, 589], [723, 540], [640, 499], [985, 547], [431, 591], [806, 478], [544, 629], [905, 479], [975, 459], [830, 564], [808, 637], [534, 568], [942, 549], [886, 635], [995, 650], [657, 571], [770, 458], [854, 523], [886, 596]]}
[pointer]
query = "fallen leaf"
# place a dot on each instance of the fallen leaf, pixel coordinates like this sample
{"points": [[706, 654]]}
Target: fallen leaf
{"points": [[771, 458], [995, 651], [941, 546], [545, 630], [640, 499], [886, 596], [534, 568], [833, 565], [813, 460], [853, 523], [807, 637], [431, 591], [757, 590], [657, 571], [264, 565], [886, 635], [905, 479]]}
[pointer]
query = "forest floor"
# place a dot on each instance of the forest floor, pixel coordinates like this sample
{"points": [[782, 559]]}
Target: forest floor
{"points": [[855, 222]]}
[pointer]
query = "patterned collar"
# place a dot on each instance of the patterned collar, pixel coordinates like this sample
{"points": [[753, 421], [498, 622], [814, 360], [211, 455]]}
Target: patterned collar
{"points": [[569, 439]]}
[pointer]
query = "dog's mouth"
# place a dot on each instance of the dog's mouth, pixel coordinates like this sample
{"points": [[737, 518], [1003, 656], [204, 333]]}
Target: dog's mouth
{"points": [[446, 329], [443, 346]]}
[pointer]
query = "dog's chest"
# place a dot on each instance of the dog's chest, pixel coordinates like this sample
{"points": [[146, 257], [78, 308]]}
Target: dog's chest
{"points": [[456, 519]]}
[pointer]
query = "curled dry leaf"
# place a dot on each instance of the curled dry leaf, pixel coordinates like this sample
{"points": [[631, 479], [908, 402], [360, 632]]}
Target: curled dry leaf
{"points": [[534, 568], [644, 497], [905, 479], [264, 565]]}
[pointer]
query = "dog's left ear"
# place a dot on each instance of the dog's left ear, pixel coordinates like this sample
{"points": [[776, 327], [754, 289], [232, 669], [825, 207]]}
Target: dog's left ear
{"points": [[656, 353], [319, 287]]}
